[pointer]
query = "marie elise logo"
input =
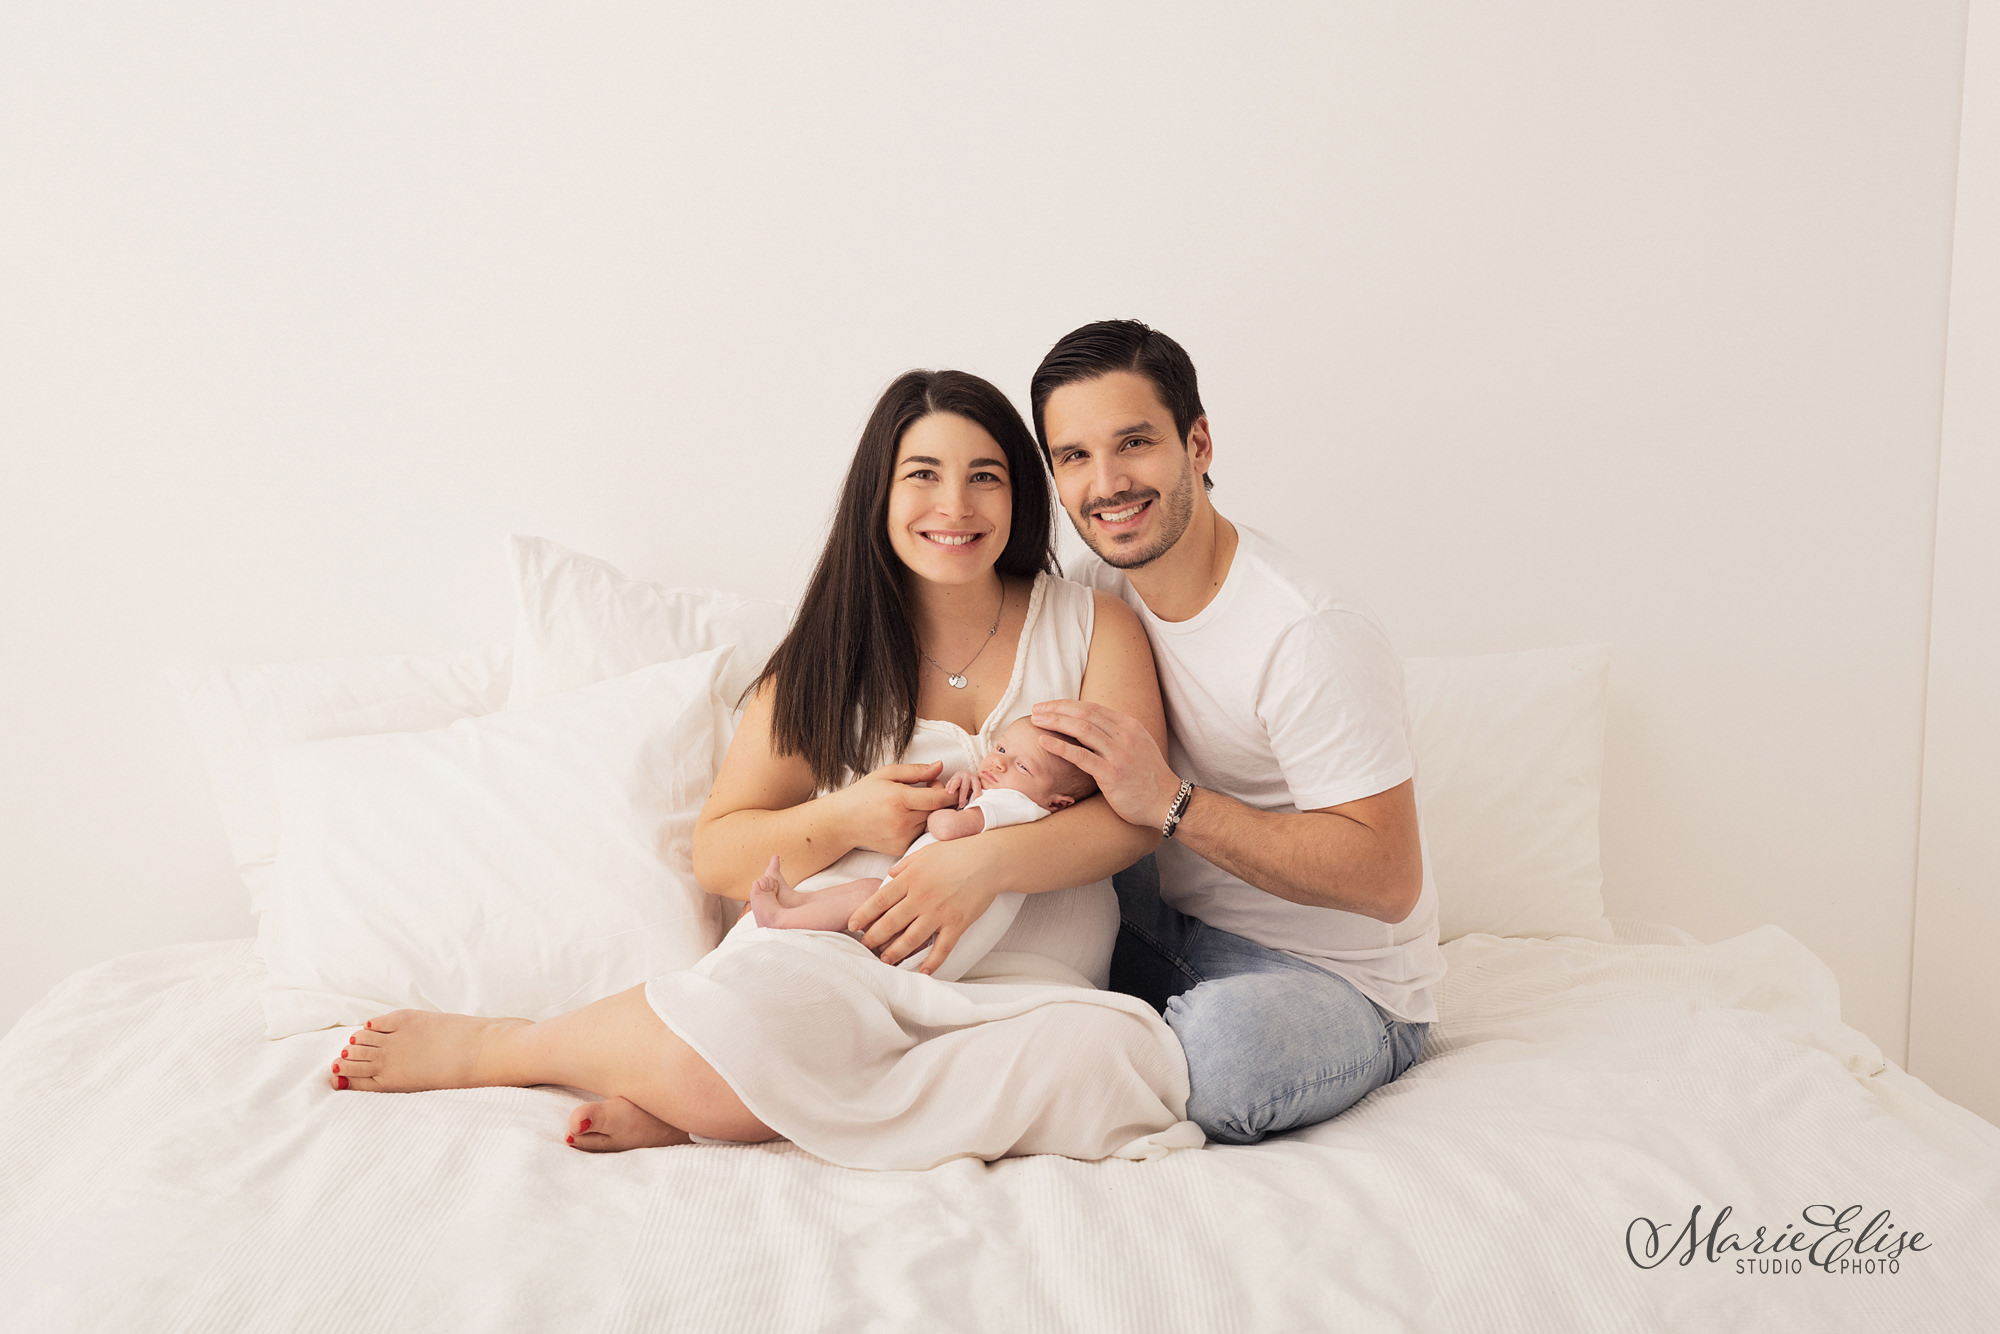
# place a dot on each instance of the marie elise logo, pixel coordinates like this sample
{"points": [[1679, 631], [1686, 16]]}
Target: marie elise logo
{"points": [[1824, 1239]]}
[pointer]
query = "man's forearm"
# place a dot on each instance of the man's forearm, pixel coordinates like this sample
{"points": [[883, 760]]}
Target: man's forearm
{"points": [[1318, 858]]}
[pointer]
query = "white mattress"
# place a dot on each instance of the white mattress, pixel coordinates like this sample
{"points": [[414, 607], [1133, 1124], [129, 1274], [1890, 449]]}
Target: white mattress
{"points": [[164, 1167]]}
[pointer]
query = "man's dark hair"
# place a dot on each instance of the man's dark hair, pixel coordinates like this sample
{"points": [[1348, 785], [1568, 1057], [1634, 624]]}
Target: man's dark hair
{"points": [[1098, 349]]}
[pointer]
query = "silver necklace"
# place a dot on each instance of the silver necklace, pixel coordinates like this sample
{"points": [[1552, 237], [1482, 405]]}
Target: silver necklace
{"points": [[957, 678]]}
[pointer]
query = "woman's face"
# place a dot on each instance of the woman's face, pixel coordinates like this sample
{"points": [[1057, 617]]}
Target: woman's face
{"points": [[951, 501]]}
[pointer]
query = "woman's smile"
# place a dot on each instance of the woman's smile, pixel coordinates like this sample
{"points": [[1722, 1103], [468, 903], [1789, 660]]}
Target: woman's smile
{"points": [[951, 499]]}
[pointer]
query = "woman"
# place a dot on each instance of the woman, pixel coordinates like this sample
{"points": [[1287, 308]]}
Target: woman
{"points": [[931, 621]]}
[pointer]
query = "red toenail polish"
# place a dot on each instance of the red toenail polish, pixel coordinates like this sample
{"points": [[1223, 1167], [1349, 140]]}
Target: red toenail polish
{"points": [[343, 1053], [341, 1082], [585, 1125], [336, 1067], [371, 1025], [569, 1139]]}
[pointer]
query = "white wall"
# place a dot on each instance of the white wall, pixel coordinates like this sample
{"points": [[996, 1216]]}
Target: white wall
{"points": [[1536, 322], [1956, 994]]}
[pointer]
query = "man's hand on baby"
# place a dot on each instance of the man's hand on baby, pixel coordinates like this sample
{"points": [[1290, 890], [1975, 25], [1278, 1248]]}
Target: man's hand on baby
{"points": [[964, 786], [1116, 750], [888, 807]]}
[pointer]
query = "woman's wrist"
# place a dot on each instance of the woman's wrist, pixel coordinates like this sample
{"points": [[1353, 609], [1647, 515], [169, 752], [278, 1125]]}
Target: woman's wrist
{"points": [[831, 820]]}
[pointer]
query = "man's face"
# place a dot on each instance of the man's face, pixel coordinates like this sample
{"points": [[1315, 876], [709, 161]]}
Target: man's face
{"points": [[1124, 476]]}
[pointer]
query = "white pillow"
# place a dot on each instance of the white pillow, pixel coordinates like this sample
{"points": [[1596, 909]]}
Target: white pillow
{"points": [[238, 714], [1510, 751], [582, 620], [524, 863]]}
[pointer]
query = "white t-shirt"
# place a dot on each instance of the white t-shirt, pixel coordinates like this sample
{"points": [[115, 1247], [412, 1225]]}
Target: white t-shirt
{"points": [[1287, 698]]}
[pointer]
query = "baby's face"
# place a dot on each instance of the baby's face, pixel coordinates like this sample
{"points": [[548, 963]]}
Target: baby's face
{"points": [[1018, 761]]}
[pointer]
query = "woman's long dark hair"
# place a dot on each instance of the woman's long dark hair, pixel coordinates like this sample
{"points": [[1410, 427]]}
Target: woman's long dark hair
{"points": [[845, 679]]}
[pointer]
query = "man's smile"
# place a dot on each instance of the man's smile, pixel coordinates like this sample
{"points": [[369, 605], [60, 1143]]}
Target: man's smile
{"points": [[1125, 515]]}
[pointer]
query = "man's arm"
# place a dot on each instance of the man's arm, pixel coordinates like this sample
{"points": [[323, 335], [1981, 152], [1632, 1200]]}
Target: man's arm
{"points": [[1360, 856]]}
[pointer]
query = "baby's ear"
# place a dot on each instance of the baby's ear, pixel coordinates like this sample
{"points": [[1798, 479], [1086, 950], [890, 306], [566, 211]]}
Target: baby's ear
{"points": [[1060, 800]]}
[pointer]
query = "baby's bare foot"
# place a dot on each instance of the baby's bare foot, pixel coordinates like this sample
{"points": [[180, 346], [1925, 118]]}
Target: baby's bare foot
{"points": [[410, 1050], [616, 1124], [768, 895]]}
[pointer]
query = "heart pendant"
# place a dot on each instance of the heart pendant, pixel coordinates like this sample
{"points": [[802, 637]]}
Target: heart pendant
{"points": [[958, 682]]}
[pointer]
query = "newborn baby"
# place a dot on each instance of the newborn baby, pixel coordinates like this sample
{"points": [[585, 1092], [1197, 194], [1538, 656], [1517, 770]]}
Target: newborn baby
{"points": [[1017, 782]]}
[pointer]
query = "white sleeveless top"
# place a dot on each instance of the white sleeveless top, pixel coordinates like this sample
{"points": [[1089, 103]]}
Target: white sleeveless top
{"points": [[878, 1067], [1075, 928]]}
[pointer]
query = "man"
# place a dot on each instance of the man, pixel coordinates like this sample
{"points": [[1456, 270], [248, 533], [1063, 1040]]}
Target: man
{"points": [[1287, 926]]}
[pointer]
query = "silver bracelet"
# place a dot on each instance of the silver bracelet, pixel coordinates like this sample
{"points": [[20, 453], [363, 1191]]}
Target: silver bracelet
{"points": [[1177, 810]]}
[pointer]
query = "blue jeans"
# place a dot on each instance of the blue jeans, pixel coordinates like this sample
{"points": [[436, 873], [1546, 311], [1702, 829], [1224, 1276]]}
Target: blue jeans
{"points": [[1272, 1042]]}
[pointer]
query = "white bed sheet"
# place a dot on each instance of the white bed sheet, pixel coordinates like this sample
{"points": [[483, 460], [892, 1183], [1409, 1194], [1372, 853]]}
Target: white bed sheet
{"points": [[164, 1167]]}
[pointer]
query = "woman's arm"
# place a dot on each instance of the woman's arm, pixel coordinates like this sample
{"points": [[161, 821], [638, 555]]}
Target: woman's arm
{"points": [[763, 805], [942, 889]]}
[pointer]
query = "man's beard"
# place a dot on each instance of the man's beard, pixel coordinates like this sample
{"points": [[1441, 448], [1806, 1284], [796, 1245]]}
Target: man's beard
{"points": [[1176, 509]]}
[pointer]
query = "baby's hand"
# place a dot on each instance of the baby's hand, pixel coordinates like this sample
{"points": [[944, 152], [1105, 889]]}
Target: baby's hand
{"points": [[963, 785]]}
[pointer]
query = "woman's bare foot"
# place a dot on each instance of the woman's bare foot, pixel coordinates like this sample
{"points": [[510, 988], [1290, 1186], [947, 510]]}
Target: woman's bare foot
{"points": [[409, 1050], [615, 1125]]}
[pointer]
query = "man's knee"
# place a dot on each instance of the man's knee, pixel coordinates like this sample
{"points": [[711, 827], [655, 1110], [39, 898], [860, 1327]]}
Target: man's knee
{"points": [[1229, 1075], [1266, 1055]]}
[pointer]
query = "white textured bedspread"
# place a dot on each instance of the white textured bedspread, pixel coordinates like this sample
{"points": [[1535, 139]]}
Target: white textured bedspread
{"points": [[163, 1167]]}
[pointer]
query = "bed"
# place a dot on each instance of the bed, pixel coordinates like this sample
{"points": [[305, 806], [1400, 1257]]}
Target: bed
{"points": [[1593, 1098]]}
